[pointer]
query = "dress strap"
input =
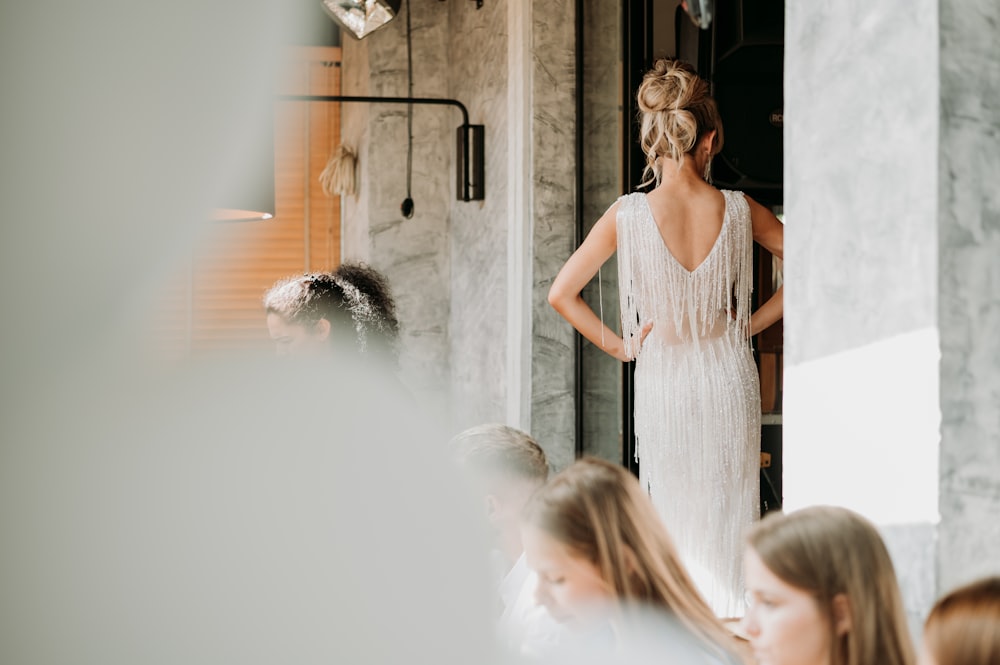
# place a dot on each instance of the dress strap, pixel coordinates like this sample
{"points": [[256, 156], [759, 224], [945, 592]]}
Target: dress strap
{"points": [[742, 240]]}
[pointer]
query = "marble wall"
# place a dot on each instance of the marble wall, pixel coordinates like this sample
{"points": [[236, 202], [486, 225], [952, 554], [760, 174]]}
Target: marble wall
{"points": [[860, 143], [553, 164], [969, 290], [471, 278], [477, 320], [512, 64], [892, 278], [861, 380], [602, 175], [412, 253]]}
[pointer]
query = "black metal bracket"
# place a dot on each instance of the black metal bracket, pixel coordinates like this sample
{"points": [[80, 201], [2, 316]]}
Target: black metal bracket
{"points": [[471, 162]]}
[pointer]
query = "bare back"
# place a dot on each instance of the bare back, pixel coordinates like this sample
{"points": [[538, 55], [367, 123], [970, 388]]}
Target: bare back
{"points": [[689, 217]]}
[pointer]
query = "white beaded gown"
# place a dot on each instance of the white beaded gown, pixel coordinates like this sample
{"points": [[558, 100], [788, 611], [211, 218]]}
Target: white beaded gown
{"points": [[697, 395]]}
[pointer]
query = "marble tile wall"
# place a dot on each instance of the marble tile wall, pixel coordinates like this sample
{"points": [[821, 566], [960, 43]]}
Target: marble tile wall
{"points": [[969, 291]]}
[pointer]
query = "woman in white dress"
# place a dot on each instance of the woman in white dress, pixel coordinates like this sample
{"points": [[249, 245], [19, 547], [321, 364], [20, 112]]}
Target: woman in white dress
{"points": [[685, 272]]}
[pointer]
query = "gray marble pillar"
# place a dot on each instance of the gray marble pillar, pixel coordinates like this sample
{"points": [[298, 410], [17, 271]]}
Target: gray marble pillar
{"points": [[602, 169], [511, 359], [412, 253], [969, 291], [892, 278], [553, 184], [478, 240], [471, 277], [861, 199]]}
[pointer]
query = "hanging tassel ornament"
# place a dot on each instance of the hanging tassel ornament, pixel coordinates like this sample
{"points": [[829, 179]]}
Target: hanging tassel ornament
{"points": [[339, 178]]}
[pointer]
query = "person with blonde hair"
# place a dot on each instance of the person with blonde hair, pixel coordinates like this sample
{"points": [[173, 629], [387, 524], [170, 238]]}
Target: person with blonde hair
{"points": [[963, 627], [604, 559], [685, 255], [823, 591]]}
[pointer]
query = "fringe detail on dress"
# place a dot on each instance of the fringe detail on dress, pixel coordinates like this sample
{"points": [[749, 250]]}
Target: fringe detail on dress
{"points": [[626, 287], [697, 402]]}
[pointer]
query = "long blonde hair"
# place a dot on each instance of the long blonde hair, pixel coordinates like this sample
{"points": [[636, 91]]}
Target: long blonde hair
{"points": [[963, 628], [599, 511], [675, 111], [829, 551]]}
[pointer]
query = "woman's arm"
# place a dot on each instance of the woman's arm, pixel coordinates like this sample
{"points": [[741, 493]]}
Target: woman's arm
{"points": [[565, 298], [768, 313], [769, 233]]}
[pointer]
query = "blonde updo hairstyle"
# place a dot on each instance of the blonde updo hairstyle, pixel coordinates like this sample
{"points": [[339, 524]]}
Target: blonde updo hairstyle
{"points": [[675, 111]]}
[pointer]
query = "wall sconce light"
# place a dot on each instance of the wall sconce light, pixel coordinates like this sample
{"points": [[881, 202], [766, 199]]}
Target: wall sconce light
{"points": [[470, 162], [361, 18], [470, 159], [255, 194]]}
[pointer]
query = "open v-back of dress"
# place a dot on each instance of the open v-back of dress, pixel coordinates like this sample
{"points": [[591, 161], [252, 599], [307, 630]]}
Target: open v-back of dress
{"points": [[697, 396]]}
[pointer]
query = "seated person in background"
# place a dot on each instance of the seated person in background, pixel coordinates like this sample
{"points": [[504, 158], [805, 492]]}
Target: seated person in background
{"points": [[822, 591], [348, 310], [506, 466], [963, 627], [608, 569]]}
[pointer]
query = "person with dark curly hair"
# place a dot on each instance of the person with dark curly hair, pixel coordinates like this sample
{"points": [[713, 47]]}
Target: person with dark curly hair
{"points": [[382, 321], [349, 309]]}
